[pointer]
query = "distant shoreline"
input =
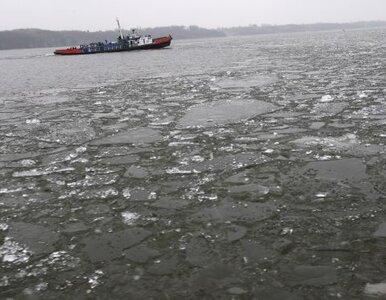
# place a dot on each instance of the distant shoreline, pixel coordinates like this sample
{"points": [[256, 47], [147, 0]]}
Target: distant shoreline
{"points": [[39, 38]]}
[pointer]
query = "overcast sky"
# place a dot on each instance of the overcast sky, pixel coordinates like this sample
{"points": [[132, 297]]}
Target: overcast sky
{"points": [[100, 14]]}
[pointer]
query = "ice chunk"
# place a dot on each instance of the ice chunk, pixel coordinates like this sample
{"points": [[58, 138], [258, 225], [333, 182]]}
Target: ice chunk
{"points": [[37, 238], [316, 276], [326, 98], [9, 191], [381, 231], [183, 172], [321, 195], [345, 169], [32, 121], [111, 245], [139, 194], [101, 193], [136, 172], [136, 136], [237, 291], [170, 203], [224, 112], [209, 197], [13, 252], [126, 193], [229, 212], [3, 227], [376, 289], [246, 83], [228, 162], [129, 218], [269, 151], [141, 253], [197, 158], [61, 261], [362, 95], [329, 109], [40, 172], [97, 180], [28, 162], [94, 280]]}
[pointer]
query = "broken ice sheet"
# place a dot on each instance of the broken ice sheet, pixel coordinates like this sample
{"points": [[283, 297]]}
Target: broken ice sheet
{"points": [[329, 109], [137, 136], [348, 143], [316, 276], [376, 289], [224, 112], [246, 83], [345, 169], [170, 203], [102, 193], [99, 180], [141, 253], [381, 231], [252, 188], [70, 131], [37, 238], [198, 252], [226, 211], [111, 245], [42, 171], [228, 162], [339, 143], [136, 172]]}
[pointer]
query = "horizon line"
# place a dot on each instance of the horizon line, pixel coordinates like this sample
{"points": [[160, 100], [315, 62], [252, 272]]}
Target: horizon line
{"points": [[192, 25]]}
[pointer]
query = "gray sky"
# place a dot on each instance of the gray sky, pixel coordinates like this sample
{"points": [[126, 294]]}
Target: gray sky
{"points": [[100, 14]]}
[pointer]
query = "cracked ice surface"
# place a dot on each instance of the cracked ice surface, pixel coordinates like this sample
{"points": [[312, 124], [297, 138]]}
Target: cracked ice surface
{"points": [[213, 169]]}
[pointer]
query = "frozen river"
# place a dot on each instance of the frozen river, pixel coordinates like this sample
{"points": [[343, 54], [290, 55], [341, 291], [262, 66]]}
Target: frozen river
{"points": [[236, 168]]}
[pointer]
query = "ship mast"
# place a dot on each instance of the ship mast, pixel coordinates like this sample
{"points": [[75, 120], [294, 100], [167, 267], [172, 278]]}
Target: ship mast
{"points": [[120, 30]]}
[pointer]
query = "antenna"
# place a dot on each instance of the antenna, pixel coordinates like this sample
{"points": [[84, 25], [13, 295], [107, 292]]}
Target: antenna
{"points": [[120, 30]]}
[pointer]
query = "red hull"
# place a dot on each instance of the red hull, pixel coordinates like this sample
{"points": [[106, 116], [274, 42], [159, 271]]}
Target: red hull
{"points": [[68, 51], [157, 44]]}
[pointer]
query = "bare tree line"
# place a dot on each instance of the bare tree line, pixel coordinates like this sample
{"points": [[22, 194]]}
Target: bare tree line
{"points": [[37, 38]]}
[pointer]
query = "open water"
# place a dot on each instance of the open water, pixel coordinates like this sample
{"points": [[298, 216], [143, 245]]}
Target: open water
{"points": [[236, 168]]}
